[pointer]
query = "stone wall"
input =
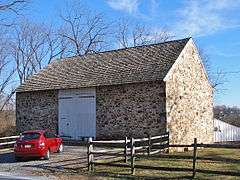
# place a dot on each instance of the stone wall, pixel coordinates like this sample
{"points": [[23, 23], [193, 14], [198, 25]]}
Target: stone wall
{"points": [[133, 110], [37, 110], [124, 110], [189, 101]]}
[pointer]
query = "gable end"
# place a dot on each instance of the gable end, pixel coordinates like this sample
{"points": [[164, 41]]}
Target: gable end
{"points": [[180, 59]]}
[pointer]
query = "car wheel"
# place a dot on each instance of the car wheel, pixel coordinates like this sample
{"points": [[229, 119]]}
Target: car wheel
{"points": [[18, 158], [47, 155], [60, 149]]}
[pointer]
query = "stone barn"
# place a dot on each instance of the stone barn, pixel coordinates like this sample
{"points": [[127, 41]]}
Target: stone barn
{"points": [[132, 92]]}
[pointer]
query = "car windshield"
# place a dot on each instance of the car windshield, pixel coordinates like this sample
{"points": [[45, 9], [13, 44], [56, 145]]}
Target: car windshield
{"points": [[30, 136]]}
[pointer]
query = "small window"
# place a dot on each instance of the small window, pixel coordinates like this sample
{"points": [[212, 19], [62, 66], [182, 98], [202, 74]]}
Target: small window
{"points": [[49, 135]]}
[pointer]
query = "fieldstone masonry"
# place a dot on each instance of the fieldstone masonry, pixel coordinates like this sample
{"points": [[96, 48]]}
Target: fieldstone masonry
{"points": [[37, 110], [132, 110], [189, 101]]}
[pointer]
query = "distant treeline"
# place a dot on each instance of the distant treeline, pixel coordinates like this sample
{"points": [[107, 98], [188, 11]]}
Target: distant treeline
{"points": [[227, 114]]}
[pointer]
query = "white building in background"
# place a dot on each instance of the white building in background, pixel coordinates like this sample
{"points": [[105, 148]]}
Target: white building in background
{"points": [[225, 132]]}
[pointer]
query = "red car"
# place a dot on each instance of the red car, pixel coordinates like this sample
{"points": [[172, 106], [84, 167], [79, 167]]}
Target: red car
{"points": [[37, 143]]}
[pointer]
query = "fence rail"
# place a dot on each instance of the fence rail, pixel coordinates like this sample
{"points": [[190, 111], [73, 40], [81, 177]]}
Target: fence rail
{"points": [[7, 142], [150, 146], [129, 148]]}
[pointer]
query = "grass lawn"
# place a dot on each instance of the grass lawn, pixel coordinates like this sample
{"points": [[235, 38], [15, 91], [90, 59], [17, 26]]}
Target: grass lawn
{"points": [[211, 164]]}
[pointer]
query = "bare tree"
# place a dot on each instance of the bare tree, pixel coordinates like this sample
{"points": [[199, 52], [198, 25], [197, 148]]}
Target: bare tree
{"points": [[33, 46], [11, 5], [139, 34], [83, 31], [56, 45], [218, 78], [26, 42], [29, 48], [6, 70], [10, 8]]}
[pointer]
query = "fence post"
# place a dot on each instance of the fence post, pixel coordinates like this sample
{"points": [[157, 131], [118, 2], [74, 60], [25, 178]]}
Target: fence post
{"points": [[90, 155], [132, 156], [194, 157], [149, 144], [125, 149], [168, 150]]}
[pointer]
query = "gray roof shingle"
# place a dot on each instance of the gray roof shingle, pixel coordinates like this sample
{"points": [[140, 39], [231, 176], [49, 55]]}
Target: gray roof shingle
{"points": [[129, 65]]}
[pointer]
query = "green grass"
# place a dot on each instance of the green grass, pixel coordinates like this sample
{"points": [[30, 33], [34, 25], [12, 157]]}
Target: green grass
{"points": [[225, 163]]}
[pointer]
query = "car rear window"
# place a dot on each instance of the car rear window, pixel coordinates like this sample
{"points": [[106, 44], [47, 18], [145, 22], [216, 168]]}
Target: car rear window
{"points": [[30, 136]]}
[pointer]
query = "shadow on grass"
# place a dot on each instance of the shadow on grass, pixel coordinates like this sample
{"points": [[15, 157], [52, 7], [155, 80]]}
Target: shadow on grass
{"points": [[57, 166], [62, 165], [226, 173], [212, 158], [206, 171], [129, 176], [167, 169]]}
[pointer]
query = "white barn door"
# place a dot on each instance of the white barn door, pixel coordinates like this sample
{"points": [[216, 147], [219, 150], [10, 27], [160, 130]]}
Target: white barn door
{"points": [[77, 113]]}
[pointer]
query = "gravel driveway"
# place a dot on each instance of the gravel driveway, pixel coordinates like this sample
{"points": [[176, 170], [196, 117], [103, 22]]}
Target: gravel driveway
{"points": [[72, 159]]}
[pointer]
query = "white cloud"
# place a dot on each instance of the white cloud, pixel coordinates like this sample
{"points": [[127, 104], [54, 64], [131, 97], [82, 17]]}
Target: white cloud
{"points": [[198, 18], [130, 6]]}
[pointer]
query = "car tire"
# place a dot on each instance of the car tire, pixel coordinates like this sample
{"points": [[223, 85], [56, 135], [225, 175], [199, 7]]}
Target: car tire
{"points": [[60, 148], [47, 155]]}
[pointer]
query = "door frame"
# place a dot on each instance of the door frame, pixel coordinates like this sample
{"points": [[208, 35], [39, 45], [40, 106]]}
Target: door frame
{"points": [[66, 93]]}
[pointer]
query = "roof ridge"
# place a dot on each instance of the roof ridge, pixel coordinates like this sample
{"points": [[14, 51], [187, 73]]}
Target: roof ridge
{"points": [[145, 45]]}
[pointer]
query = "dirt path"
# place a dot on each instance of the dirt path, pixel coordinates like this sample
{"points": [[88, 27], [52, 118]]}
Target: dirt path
{"points": [[71, 160]]}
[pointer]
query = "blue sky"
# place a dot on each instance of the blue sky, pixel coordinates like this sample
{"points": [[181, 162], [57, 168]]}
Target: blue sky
{"points": [[214, 25]]}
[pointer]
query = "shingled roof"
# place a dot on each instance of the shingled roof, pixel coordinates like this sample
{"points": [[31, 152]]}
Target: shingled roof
{"points": [[129, 65]]}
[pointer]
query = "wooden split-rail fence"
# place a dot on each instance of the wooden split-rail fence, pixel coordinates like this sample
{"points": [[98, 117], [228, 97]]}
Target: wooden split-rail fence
{"points": [[130, 148], [127, 148], [7, 142]]}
